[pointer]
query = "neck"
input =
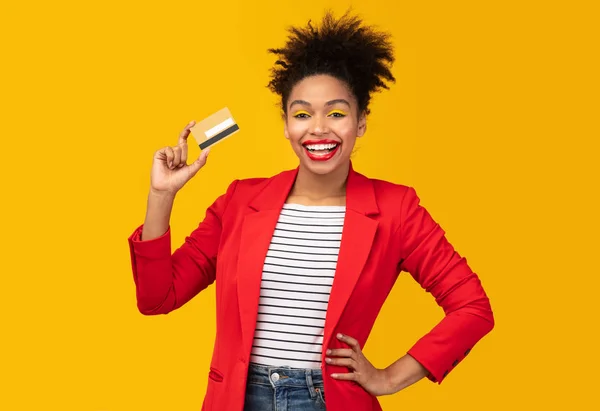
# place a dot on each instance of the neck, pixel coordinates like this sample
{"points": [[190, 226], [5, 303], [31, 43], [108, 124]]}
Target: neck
{"points": [[321, 186]]}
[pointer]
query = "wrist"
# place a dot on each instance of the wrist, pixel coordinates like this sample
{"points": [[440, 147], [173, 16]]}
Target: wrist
{"points": [[161, 194], [404, 372], [393, 380]]}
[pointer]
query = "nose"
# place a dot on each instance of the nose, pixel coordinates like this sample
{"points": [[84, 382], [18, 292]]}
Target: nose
{"points": [[319, 126]]}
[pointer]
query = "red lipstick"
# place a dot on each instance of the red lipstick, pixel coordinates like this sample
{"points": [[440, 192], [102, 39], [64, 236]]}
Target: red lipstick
{"points": [[321, 155]]}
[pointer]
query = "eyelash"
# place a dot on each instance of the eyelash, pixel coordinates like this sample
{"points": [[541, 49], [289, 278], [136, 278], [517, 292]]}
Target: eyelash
{"points": [[306, 115]]}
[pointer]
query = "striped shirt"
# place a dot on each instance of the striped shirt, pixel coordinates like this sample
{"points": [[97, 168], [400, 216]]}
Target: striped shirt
{"points": [[296, 282]]}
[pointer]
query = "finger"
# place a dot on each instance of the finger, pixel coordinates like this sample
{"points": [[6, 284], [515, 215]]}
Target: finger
{"points": [[340, 352], [185, 133], [350, 341], [342, 362], [176, 156], [170, 155], [160, 154], [344, 376], [184, 154], [199, 163], [182, 143]]}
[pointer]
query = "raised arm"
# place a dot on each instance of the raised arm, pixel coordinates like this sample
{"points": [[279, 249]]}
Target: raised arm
{"points": [[165, 282]]}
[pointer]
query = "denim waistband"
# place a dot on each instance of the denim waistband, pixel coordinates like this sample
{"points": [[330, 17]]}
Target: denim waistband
{"points": [[284, 376]]}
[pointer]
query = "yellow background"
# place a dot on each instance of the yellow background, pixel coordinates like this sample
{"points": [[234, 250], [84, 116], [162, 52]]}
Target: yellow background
{"points": [[494, 121]]}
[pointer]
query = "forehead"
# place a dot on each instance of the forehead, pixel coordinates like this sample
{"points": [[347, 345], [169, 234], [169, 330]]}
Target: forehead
{"points": [[319, 89]]}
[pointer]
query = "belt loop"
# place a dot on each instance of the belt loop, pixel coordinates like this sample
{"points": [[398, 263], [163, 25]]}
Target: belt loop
{"points": [[309, 384], [269, 372]]}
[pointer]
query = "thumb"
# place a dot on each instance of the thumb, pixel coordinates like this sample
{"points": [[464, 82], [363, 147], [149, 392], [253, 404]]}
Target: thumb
{"points": [[200, 161]]}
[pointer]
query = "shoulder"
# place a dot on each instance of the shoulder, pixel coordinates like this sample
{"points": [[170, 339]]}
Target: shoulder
{"points": [[394, 200], [246, 188], [252, 185], [384, 187], [387, 191], [246, 185]]}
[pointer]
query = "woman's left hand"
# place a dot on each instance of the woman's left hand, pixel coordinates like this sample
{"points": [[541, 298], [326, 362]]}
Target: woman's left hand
{"points": [[375, 381]]}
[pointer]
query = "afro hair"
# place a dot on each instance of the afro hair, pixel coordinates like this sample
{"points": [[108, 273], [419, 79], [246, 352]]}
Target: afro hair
{"points": [[344, 48]]}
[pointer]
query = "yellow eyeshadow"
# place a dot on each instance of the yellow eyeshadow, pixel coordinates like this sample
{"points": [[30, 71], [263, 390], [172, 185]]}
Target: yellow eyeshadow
{"points": [[301, 112], [337, 112]]}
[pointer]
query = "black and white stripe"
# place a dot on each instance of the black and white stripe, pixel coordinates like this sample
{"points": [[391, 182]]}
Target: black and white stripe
{"points": [[296, 282]]}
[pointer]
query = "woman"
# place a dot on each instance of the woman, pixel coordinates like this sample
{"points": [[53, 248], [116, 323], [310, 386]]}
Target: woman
{"points": [[304, 260]]}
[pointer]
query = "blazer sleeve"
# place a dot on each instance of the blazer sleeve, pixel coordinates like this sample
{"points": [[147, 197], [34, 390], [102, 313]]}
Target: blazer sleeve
{"points": [[165, 281], [432, 261]]}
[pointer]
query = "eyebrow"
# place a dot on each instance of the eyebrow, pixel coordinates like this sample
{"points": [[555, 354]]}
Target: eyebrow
{"points": [[329, 103]]}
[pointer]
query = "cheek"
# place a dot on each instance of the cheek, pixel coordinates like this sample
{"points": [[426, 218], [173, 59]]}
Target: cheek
{"points": [[347, 132], [296, 130]]}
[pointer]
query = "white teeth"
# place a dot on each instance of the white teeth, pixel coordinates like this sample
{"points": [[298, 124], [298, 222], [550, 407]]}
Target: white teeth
{"points": [[321, 146]]}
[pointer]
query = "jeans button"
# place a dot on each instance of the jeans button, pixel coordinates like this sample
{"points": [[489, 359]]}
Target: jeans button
{"points": [[274, 377]]}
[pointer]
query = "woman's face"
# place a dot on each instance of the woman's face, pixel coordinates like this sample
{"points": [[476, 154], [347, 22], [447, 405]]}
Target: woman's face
{"points": [[322, 123]]}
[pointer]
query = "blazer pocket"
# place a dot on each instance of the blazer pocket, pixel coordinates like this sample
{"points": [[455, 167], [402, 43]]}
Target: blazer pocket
{"points": [[215, 375]]}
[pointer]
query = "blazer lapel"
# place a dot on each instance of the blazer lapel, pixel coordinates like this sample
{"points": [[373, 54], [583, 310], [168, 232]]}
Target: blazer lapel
{"points": [[358, 234], [257, 231]]}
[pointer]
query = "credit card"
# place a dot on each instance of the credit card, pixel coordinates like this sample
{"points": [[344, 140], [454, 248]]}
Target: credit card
{"points": [[214, 128]]}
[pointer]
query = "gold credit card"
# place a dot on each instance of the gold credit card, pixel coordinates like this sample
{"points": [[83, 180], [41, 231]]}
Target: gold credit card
{"points": [[214, 128]]}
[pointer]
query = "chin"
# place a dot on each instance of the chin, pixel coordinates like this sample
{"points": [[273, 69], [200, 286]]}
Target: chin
{"points": [[322, 162], [322, 168]]}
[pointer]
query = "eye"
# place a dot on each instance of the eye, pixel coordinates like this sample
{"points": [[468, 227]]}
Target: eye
{"points": [[337, 113], [301, 114]]}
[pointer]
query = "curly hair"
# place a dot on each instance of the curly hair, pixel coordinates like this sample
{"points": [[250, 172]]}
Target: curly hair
{"points": [[344, 48]]}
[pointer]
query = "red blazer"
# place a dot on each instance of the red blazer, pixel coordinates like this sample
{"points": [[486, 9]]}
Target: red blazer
{"points": [[386, 231]]}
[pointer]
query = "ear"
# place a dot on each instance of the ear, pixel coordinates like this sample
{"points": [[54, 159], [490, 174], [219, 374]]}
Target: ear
{"points": [[285, 125], [362, 125], [285, 129]]}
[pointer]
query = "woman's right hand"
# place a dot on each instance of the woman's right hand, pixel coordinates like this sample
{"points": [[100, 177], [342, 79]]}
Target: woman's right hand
{"points": [[170, 170]]}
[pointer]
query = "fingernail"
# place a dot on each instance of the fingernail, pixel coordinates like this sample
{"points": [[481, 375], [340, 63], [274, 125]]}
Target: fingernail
{"points": [[328, 352], [340, 336], [328, 359]]}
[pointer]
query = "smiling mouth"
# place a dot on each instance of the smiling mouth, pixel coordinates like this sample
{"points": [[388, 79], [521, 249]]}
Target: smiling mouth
{"points": [[321, 148], [321, 151]]}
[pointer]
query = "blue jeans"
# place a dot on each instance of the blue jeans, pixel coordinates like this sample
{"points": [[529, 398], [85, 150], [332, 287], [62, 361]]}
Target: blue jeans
{"points": [[284, 389]]}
